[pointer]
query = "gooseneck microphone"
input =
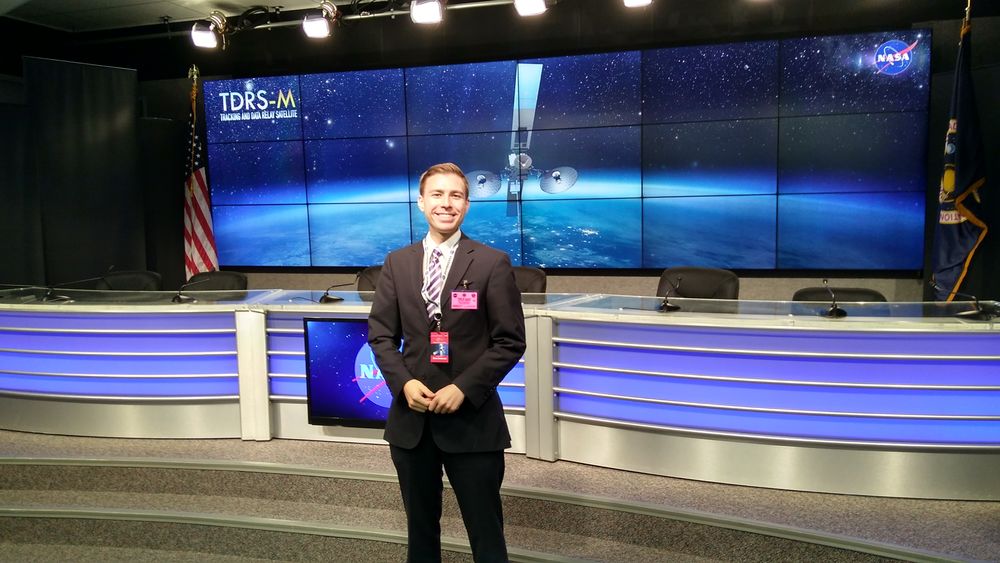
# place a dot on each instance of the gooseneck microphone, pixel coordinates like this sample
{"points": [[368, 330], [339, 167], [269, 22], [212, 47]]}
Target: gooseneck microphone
{"points": [[978, 313], [666, 306], [834, 312], [180, 297], [52, 297], [327, 298]]}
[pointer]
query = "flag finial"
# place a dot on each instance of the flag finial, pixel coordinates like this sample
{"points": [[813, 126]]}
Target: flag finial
{"points": [[193, 72]]}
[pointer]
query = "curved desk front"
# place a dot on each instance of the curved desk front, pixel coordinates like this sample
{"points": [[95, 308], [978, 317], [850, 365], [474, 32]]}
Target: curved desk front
{"points": [[893, 400]]}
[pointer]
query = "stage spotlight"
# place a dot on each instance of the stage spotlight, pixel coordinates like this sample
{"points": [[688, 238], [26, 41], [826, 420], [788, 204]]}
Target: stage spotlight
{"points": [[637, 3], [209, 34], [426, 11], [529, 7], [320, 24]]}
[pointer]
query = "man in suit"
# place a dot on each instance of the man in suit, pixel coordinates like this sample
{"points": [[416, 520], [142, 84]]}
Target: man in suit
{"points": [[446, 412]]}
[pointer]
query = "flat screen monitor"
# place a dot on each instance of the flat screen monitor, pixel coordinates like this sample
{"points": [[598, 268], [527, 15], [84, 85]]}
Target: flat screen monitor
{"points": [[344, 386]]}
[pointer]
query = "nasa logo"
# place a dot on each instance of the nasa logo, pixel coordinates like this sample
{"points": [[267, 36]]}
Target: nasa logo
{"points": [[250, 99], [894, 57], [369, 378]]}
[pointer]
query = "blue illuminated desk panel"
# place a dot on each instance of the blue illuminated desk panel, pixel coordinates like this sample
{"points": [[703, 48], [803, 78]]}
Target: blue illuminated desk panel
{"points": [[896, 399]]}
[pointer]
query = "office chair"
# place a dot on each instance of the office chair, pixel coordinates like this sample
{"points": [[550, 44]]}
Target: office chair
{"points": [[368, 278], [699, 283], [843, 294], [217, 280], [529, 280], [130, 280]]}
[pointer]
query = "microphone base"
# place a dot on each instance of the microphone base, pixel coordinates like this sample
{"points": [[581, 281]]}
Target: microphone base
{"points": [[327, 298], [835, 313], [53, 298], [667, 307], [181, 298], [975, 315]]}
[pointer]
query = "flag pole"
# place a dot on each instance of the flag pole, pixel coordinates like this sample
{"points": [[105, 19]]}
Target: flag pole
{"points": [[193, 74]]}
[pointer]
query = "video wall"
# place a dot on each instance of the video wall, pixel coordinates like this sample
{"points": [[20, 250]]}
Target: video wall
{"points": [[804, 153]]}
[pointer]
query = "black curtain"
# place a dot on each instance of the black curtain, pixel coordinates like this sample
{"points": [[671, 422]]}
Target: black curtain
{"points": [[85, 148], [162, 144], [983, 279], [21, 259]]}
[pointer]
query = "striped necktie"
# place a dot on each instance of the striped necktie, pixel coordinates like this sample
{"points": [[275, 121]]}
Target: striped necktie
{"points": [[433, 282]]}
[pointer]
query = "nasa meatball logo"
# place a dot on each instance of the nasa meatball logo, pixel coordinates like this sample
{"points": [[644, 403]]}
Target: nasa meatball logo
{"points": [[894, 57], [369, 379]]}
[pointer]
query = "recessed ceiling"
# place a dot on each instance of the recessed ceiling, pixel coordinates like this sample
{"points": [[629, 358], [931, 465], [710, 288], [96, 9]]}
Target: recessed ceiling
{"points": [[94, 15]]}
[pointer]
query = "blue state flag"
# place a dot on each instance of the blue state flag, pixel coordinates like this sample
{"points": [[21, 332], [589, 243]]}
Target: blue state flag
{"points": [[960, 229]]}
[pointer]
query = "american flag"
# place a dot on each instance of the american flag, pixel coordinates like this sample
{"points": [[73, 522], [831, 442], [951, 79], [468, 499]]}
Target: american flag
{"points": [[199, 240]]}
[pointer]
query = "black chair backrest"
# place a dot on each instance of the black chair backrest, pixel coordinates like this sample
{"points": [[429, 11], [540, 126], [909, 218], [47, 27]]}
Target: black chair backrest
{"points": [[699, 283], [368, 278], [529, 280], [217, 281], [844, 294], [130, 280]]}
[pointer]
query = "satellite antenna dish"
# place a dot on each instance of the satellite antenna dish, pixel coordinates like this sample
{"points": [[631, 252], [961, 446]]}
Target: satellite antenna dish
{"points": [[482, 183], [558, 179]]}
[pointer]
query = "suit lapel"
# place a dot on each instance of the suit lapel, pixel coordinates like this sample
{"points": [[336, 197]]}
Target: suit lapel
{"points": [[459, 265], [416, 274]]}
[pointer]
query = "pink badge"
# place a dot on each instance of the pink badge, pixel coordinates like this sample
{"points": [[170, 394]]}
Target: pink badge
{"points": [[468, 300]]}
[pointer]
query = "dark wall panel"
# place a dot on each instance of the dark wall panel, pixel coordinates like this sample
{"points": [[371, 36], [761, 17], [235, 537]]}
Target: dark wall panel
{"points": [[83, 135], [161, 158], [20, 218]]}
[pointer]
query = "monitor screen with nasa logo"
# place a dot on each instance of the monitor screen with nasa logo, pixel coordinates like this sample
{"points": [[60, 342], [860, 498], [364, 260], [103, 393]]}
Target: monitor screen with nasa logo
{"points": [[343, 385]]}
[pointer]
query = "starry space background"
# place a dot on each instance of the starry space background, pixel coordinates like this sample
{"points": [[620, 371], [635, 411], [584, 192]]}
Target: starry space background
{"points": [[332, 349], [256, 173], [353, 104], [790, 154], [356, 170], [710, 82], [735, 157], [465, 98], [589, 90], [886, 152]]}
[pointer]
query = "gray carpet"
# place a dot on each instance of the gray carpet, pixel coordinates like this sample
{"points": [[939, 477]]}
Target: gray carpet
{"points": [[958, 529]]}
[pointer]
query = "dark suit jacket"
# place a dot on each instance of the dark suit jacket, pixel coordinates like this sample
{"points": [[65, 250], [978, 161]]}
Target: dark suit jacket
{"points": [[484, 344]]}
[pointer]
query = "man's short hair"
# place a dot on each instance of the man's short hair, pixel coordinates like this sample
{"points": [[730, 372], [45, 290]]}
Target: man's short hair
{"points": [[444, 168]]}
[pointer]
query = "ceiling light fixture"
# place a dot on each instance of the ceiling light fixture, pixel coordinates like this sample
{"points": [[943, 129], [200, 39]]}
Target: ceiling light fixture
{"points": [[529, 7], [427, 11], [637, 3], [320, 24], [209, 34]]}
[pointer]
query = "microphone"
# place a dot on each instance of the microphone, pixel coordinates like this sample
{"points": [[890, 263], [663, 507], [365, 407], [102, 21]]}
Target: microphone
{"points": [[52, 297], [327, 298], [979, 313], [834, 312], [181, 298], [666, 306]]}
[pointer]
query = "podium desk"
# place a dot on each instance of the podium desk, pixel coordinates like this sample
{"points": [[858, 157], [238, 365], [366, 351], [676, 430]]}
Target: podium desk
{"points": [[894, 399]]}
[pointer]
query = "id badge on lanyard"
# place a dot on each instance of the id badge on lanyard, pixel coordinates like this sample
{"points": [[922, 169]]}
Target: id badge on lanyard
{"points": [[439, 343]]}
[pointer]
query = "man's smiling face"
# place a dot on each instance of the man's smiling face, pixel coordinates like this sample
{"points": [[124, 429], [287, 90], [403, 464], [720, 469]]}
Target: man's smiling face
{"points": [[444, 200]]}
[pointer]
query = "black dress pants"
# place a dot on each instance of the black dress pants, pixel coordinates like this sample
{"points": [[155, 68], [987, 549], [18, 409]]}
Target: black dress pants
{"points": [[475, 477]]}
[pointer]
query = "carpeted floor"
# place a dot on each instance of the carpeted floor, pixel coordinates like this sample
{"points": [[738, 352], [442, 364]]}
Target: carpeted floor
{"points": [[960, 529]]}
